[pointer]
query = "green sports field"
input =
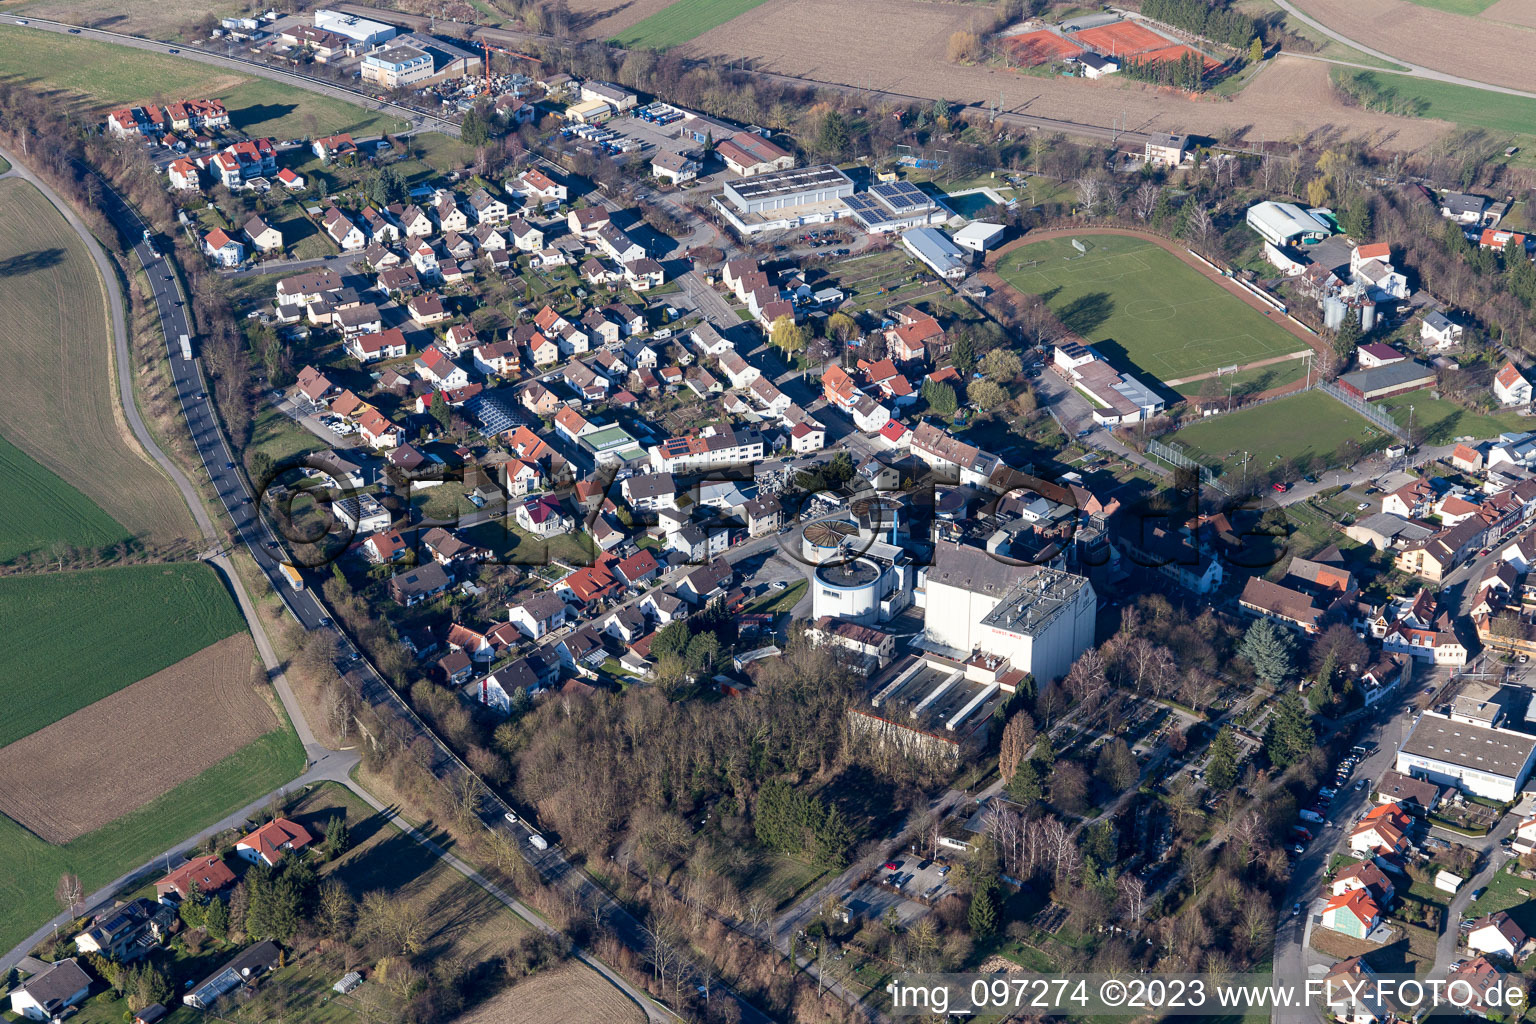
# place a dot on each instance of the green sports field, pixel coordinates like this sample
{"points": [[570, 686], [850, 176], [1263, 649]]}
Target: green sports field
{"points": [[1144, 309], [42, 513], [1300, 427], [682, 21], [72, 638]]}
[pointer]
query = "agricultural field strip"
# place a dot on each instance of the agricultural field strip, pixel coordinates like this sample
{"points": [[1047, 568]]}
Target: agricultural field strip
{"points": [[151, 749], [74, 638]]}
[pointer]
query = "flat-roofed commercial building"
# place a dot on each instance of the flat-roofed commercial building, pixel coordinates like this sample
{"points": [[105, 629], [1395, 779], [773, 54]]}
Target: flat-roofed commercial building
{"points": [[1484, 760], [361, 30], [397, 67], [785, 199]]}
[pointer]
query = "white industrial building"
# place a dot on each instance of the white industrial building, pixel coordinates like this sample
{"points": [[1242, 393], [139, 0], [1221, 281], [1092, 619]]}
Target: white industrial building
{"points": [[895, 206], [979, 236], [938, 251], [785, 199], [1287, 224], [1479, 757], [360, 30], [1036, 618], [396, 67], [873, 587]]}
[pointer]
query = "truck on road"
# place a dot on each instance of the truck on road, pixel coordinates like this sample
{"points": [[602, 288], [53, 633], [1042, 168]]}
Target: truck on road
{"points": [[292, 575], [186, 347], [538, 842]]}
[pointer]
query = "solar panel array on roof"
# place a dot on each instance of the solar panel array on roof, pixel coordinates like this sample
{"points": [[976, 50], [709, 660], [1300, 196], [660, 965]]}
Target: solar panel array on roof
{"points": [[491, 412], [865, 208], [902, 196]]}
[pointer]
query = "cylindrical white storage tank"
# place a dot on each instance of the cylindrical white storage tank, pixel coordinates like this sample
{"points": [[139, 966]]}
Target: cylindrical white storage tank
{"points": [[1333, 313], [850, 591], [1367, 316]]}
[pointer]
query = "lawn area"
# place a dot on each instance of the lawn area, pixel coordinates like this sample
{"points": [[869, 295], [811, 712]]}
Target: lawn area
{"points": [[1506, 891], [1299, 427], [61, 406], [1143, 308], [43, 513], [512, 545], [5, 165], [279, 436], [681, 21], [776, 601], [1443, 420], [1467, 7], [1462, 105], [72, 638], [105, 75], [30, 868]]}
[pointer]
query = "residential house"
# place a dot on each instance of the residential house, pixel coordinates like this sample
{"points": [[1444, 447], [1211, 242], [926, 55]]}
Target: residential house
{"points": [[1510, 386], [525, 237], [368, 348], [586, 223], [640, 567], [435, 367], [648, 492], [1439, 331], [378, 431], [127, 932], [183, 176], [223, 250], [445, 208], [543, 516], [538, 614], [415, 222], [206, 873], [539, 400], [273, 841], [643, 274], [419, 584], [386, 547], [428, 309], [487, 208], [241, 971], [537, 187], [1352, 913], [498, 358], [50, 993], [291, 180], [674, 167], [334, 147], [1498, 935], [340, 229]]}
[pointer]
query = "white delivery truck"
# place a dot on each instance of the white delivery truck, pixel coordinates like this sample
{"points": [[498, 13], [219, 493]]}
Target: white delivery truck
{"points": [[538, 842]]}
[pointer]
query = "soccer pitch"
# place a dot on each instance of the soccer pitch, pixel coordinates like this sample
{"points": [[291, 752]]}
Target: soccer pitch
{"points": [[1143, 308]]}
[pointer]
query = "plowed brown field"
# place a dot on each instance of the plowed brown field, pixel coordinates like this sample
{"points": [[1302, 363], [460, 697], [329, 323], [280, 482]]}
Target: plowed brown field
{"points": [[117, 754], [571, 994], [898, 46], [1453, 43], [1520, 12]]}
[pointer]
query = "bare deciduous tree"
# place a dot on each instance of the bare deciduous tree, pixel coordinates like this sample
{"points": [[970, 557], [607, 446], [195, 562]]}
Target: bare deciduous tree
{"points": [[1145, 199]]}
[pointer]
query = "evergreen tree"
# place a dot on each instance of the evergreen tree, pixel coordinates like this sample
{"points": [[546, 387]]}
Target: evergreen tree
{"points": [[1347, 338], [1256, 50], [337, 838], [1268, 648], [473, 130], [1221, 768], [1290, 736], [833, 139], [1025, 784], [833, 838], [982, 916], [963, 355], [216, 920], [940, 397]]}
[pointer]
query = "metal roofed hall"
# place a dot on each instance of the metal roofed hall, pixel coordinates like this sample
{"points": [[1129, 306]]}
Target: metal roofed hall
{"points": [[1479, 748], [796, 179]]}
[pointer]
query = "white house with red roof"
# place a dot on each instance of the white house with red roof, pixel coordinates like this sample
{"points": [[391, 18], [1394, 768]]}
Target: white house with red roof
{"points": [[334, 147], [1510, 386], [222, 249], [184, 176], [537, 187], [1352, 913], [239, 162], [273, 841], [435, 367], [383, 548], [543, 516], [291, 180], [378, 431], [805, 437]]}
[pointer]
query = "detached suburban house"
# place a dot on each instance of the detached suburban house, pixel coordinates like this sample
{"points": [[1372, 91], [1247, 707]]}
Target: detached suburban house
{"points": [[223, 250], [674, 167], [1510, 386], [48, 994], [270, 844]]}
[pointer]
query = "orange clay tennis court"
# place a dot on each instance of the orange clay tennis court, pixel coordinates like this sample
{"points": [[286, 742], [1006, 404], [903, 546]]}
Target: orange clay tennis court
{"points": [[1121, 39], [1171, 53], [1032, 48]]}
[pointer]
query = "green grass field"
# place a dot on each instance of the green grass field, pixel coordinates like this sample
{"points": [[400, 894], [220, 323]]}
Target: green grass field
{"points": [[1247, 382], [73, 638], [1144, 309], [1298, 427], [1443, 420], [105, 75], [1467, 7], [30, 868], [682, 21], [1461, 105], [41, 512], [60, 408]]}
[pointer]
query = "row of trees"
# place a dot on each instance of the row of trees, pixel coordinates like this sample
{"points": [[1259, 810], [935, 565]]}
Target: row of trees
{"points": [[801, 823], [1214, 21]]}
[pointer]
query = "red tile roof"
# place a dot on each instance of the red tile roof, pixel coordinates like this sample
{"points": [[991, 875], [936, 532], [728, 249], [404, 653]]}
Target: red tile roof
{"points": [[270, 840]]}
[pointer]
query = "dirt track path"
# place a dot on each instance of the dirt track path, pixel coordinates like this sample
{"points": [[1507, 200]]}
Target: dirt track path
{"points": [[1258, 364]]}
